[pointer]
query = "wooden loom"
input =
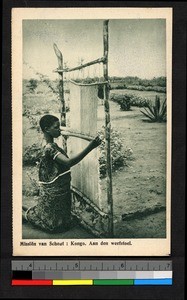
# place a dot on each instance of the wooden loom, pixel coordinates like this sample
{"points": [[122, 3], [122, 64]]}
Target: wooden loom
{"points": [[86, 200]]}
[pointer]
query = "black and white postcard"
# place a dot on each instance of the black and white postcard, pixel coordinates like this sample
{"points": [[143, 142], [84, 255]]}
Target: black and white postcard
{"points": [[91, 119]]}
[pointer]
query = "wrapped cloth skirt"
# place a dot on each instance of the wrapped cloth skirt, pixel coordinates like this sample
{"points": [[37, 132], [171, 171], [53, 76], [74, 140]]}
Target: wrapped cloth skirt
{"points": [[53, 211]]}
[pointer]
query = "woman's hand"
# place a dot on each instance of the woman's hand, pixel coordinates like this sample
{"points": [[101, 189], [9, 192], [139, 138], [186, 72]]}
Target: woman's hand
{"points": [[95, 142], [70, 162]]}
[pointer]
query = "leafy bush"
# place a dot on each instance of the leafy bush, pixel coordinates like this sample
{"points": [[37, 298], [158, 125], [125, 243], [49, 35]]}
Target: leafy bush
{"points": [[157, 89], [119, 154], [124, 101], [121, 87], [133, 99], [139, 101], [34, 121], [31, 155], [157, 112]]}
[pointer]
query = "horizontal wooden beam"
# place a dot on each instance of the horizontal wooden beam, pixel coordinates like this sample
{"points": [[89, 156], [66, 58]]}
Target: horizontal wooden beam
{"points": [[96, 61], [88, 84], [141, 213]]}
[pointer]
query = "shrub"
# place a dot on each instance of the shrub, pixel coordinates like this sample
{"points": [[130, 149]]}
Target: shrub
{"points": [[120, 87], [119, 154], [139, 101], [157, 112], [34, 121], [133, 99], [136, 87], [31, 155], [124, 101]]}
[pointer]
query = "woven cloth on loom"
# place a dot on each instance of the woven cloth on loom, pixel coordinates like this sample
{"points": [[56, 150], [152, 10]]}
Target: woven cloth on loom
{"points": [[83, 119]]}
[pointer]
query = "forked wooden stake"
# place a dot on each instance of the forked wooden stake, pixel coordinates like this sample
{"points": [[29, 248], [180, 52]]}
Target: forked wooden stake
{"points": [[61, 92]]}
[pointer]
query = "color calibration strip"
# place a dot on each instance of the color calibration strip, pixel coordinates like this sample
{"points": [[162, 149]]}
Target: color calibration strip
{"points": [[86, 278], [165, 281], [90, 273]]}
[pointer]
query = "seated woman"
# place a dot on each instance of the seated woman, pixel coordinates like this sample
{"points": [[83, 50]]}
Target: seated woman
{"points": [[53, 211]]}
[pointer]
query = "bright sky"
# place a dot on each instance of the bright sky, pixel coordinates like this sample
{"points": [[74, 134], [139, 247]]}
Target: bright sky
{"points": [[136, 47]]}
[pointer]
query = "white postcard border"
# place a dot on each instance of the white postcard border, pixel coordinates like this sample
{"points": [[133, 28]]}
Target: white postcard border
{"points": [[67, 247]]}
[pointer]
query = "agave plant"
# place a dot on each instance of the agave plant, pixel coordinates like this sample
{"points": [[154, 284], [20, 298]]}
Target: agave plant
{"points": [[157, 112]]}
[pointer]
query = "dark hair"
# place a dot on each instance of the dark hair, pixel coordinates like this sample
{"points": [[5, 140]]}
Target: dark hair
{"points": [[47, 121]]}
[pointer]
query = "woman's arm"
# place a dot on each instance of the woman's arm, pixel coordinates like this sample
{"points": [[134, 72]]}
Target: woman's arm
{"points": [[69, 162]]}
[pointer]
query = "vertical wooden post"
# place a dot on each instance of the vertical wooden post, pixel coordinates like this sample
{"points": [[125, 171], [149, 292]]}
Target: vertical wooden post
{"points": [[107, 130], [61, 91], [61, 85]]}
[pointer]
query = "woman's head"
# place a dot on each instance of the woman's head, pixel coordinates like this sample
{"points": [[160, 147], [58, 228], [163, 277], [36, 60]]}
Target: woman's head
{"points": [[50, 124]]}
